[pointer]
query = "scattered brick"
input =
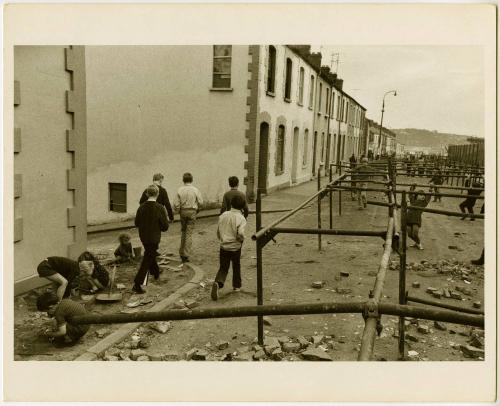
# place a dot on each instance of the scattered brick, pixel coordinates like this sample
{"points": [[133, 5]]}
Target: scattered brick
{"points": [[200, 355], [344, 274], [191, 304], [477, 305], [440, 326], [111, 358], [471, 352], [455, 295], [258, 355], [303, 342], [161, 326], [415, 285], [143, 358], [291, 347], [317, 284], [316, 354], [222, 345], [424, 329], [134, 354], [411, 337], [267, 321]]}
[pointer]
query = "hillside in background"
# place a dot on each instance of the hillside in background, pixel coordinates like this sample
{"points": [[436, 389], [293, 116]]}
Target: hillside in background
{"points": [[414, 137]]}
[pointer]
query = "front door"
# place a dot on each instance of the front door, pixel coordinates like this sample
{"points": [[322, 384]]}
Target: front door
{"points": [[263, 156], [295, 154]]}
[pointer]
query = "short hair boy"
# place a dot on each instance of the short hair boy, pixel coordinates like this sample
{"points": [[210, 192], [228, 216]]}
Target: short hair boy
{"points": [[64, 332], [226, 200], [231, 234]]}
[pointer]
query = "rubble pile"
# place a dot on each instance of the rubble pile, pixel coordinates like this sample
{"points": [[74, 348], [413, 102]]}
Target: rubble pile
{"points": [[289, 348]]}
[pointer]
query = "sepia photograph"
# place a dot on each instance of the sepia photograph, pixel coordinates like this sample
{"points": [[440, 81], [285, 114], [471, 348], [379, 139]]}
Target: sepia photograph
{"points": [[255, 204]]}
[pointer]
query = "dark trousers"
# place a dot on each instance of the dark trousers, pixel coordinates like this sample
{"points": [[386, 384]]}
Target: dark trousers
{"points": [[148, 264], [226, 258], [469, 204]]}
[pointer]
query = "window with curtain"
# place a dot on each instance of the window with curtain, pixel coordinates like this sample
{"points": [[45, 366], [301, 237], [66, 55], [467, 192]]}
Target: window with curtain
{"points": [[288, 79], [311, 92], [222, 67], [301, 85]]}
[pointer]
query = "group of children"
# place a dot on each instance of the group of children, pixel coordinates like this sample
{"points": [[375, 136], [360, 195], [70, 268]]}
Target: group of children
{"points": [[151, 220]]}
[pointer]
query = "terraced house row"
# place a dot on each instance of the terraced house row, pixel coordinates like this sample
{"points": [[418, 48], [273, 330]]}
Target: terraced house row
{"points": [[107, 117]]}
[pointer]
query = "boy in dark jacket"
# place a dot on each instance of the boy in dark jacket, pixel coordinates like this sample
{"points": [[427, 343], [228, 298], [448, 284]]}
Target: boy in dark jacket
{"points": [[470, 201], [162, 195], [151, 219], [226, 200]]}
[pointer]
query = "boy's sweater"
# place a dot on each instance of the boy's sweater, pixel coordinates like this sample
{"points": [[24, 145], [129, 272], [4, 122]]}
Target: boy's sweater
{"points": [[231, 230]]}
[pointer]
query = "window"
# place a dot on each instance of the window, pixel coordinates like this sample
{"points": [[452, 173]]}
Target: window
{"points": [[306, 146], [288, 79], [118, 197], [280, 150], [311, 92], [271, 69], [371, 136], [338, 108], [320, 94], [332, 106], [322, 146], [301, 86], [327, 108], [222, 67]]}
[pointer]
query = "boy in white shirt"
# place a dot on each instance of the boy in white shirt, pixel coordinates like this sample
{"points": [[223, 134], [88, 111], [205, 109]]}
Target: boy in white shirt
{"points": [[231, 233]]}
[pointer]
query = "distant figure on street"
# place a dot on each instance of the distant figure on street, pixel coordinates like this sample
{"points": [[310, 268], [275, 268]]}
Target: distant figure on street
{"points": [[188, 201], [414, 216], [124, 252], [231, 234], [93, 276], [361, 178], [62, 271], [226, 200], [162, 195], [64, 332], [151, 219], [470, 201], [436, 181], [352, 164]]}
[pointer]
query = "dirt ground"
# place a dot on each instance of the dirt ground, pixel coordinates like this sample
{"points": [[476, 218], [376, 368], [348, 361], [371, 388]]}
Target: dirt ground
{"points": [[290, 266]]}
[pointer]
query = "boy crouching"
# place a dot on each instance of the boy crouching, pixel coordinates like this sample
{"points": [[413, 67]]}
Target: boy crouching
{"points": [[231, 233], [64, 332]]}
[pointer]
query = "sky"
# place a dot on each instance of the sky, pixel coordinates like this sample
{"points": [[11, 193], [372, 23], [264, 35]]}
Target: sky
{"points": [[438, 87]]}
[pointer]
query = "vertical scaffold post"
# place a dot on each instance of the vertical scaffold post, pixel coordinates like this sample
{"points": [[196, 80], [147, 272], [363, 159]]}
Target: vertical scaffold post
{"points": [[331, 198], [260, 293], [340, 191], [402, 276], [319, 207]]}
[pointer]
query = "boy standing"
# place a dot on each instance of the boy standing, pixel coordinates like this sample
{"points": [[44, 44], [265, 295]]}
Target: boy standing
{"points": [[65, 332], [231, 233], [162, 195], [151, 219], [226, 200], [188, 201]]}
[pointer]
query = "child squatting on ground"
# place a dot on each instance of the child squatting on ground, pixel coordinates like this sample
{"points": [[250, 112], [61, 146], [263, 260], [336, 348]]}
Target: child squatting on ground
{"points": [[124, 251], [231, 234], [64, 332], [414, 216]]}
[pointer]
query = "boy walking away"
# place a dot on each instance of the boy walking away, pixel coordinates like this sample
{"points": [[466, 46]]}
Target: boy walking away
{"points": [[352, 164], [188, 201], [151, 219], [228, 196], [162, 195], [436, 180], [124, 252], [470, 201], [231, 233], [414, 216], [64, 332]]}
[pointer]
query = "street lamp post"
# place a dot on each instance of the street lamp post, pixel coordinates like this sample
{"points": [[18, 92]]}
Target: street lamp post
{"points": [[382, 118]]}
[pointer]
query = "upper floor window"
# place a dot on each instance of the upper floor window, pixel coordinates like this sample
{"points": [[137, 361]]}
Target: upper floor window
{"points": [[271, 69], [301, 85], [332, 106], [327, 108], [311, 92], [222, 66], [338, 109], [288, 79], [320, 94]]}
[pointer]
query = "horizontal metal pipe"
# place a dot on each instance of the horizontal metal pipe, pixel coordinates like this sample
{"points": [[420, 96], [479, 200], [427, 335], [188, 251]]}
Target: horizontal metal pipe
{"points": [[447, 213], [401, 191], [220, 312], [440, 186], [384, 204], [419, 312], [291, 230], [443, 305]]}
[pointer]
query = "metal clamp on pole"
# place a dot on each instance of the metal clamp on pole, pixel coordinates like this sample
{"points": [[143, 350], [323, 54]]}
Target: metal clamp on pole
{"points": [[371, 309]]}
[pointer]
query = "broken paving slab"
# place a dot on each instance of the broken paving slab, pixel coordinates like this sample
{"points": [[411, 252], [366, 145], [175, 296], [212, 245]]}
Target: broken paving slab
{"points": [[316, 354]]}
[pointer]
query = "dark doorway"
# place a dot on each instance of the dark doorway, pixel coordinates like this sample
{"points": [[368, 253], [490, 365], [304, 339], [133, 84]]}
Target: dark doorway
{"points": [[263, 156]]}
